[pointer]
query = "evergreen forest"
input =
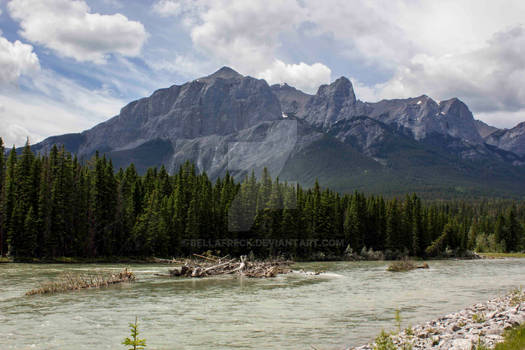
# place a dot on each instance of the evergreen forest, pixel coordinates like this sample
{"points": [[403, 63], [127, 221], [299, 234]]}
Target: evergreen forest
{"points": [[54, 205]]}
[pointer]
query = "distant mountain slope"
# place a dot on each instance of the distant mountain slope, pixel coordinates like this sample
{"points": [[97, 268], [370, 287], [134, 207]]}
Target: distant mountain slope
{"points": [[512, 140], [484, 129], [229, 122]]}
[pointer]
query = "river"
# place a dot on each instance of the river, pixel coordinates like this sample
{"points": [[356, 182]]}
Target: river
{"points": [[346, 306]]}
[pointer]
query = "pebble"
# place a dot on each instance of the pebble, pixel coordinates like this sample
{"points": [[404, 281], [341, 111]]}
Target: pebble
{"points": [[462, 330]]}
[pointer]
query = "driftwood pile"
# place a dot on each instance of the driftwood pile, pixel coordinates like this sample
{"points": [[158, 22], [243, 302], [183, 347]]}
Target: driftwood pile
{"points": [[69, 281], [213, 266]]}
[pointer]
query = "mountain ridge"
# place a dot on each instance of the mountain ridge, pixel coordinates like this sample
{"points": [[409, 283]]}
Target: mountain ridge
{"points": [[229, 122]]}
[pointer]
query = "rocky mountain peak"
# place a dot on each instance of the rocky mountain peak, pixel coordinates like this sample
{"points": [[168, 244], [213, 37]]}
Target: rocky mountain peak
{"points": [[340, 91], [331, 103], [455, 107], [224, 73]]}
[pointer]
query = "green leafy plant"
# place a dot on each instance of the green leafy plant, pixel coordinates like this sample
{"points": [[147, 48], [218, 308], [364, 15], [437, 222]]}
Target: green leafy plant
{"points": [[384, 342], [435, 341], [409, 331], [135, 342], [478, 318], [398, 320]]}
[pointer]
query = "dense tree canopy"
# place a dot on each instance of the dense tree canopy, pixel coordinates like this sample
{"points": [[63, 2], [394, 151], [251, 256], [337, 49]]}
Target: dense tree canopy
{"points": [[53, 205]]}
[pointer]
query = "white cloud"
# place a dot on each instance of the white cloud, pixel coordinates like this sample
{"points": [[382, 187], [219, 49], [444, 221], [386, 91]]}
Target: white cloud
{"points": [[244, 35], [302, 76], [168, 8], [502, 119], [52, 105], [490, 78], [365, 30], [470, 49], [69, 28], [185, 65], [16, 59]]}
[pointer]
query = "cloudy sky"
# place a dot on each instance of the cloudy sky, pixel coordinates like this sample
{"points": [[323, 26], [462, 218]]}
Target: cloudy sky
{"points": [[66, 65]]}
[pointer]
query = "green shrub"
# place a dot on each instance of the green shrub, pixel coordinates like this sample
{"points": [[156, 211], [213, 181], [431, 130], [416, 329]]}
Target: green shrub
{"points": [[384, 342]]}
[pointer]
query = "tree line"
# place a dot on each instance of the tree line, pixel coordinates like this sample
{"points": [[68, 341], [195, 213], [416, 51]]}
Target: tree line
{"points": [[54, 205]]}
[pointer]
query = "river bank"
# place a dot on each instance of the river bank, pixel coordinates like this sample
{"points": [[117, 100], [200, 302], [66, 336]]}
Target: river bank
{"points": [[479, 324], [364, 255]]}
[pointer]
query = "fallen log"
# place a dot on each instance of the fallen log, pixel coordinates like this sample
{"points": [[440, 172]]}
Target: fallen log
{"points": [[70, 281], [205, 257]]}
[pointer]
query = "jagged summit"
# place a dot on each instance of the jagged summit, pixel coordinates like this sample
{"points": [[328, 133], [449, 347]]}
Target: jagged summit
{"points": [[340, 90], [224, 73], [455, 106]]}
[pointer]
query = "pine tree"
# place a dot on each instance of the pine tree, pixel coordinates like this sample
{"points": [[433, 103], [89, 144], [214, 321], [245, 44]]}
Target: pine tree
{"points": [[500, 232], [513, 231], [28, 239], [135, 342], [3, 232], [23, 192], [393, 227]]}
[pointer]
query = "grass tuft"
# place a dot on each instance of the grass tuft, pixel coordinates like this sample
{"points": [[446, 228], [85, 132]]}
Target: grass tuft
{"points": [[514, 339]]}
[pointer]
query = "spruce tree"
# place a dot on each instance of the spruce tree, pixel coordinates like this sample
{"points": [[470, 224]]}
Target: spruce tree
{"points": [[10, 196], [513, 231], [3, 232]]}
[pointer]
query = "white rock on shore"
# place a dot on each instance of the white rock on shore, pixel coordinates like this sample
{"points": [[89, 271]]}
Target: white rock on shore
{"points": [[483, 323]]}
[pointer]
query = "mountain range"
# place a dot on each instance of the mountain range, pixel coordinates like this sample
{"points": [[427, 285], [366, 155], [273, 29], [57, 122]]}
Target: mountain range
{"points": [[235, 123]]}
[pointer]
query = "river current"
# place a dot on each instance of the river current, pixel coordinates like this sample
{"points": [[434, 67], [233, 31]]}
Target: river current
{"points": [[347, 305]]}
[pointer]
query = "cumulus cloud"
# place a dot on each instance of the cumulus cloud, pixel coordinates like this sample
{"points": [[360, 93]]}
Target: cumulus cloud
{"points": [[364, 30], [246, 36], [16, 59], [489, 78], [70, 29], [303, 76]]}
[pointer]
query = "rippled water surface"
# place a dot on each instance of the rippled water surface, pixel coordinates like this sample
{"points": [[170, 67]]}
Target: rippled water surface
{"points": [[346, 306]]}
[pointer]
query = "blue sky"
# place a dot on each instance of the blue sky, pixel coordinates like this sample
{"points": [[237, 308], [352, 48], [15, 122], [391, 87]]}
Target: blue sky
{"points": [[67, 65]]}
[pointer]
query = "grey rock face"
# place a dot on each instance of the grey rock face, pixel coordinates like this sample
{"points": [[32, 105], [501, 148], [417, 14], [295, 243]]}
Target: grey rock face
{"points": [[292, 101], [364, 133], [484, 129], [332, 103], [423, 116], [267, 144], [512, 140], [220, 104], [420, 116]]}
